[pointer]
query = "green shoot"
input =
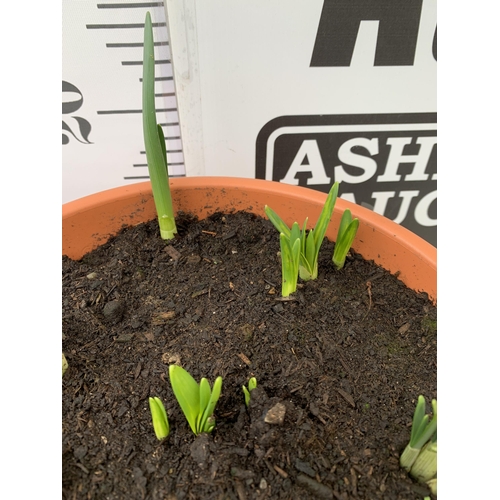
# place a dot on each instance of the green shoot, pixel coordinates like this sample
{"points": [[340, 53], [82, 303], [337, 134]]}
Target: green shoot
{"points": [[345, 236], [197, 401], [290, 258], [310, 242], [252, 384], [423, 430], [64, 364], [160, 419], [154, 140], [425, 466]]}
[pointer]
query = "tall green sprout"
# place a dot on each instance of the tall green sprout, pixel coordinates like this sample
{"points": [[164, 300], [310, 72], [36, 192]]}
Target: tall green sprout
{"points": [[154, 140]]}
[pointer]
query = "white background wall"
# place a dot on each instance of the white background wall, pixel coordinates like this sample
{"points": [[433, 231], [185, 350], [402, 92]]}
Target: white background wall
{"points": [[251, 102]]}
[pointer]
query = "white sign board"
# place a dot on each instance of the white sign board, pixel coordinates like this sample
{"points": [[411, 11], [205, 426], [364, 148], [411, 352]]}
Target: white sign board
{"points": [[313, 92]]}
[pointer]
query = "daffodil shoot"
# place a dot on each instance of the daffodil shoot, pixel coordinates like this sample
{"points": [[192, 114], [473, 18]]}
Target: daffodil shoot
{"points": [[345, 236], [64, 364], [154, 140], [425, 466], [290, 258], [252, 384], [419, 458], [159, 417], [197, 401], [306, 243]]}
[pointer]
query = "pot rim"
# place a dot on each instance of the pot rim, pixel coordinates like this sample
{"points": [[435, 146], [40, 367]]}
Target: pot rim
{"points": [[396, 243]]}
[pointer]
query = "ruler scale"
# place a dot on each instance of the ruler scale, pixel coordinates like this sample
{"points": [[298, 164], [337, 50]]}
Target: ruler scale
{"points": [[104, 61], [160, 64]]}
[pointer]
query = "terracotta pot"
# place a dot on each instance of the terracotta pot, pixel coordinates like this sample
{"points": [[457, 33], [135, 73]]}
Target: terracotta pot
{"points": [[92, 220]]}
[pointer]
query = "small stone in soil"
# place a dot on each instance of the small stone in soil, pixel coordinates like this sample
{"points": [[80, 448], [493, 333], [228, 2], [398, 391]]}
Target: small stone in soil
{"points": [[313, 408], [80, 452], [278, 308], [276, 414], [113, 311]]}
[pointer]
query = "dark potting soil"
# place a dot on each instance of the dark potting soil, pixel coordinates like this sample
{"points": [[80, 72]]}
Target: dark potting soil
{"points": [[345, 360]]}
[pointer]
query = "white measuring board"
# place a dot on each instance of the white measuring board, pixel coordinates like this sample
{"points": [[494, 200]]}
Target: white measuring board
{"points": [[102, 136], [310, 92]]}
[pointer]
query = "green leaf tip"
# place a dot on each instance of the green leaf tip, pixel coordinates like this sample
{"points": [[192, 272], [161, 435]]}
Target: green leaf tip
{"points": [[159, 418], [252, 384], [64, 364]]}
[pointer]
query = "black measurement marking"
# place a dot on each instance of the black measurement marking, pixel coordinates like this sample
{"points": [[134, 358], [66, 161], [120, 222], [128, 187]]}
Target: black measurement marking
{"points": [[131, 111], [128, 5], [147, 176], [168, 151], [121, 26], [132, 45], [139, 63], [145, 164], [115, 45], [161, 79]]}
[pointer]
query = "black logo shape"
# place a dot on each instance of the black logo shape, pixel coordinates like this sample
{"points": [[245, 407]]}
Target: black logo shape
{"points": [[84, 126]]}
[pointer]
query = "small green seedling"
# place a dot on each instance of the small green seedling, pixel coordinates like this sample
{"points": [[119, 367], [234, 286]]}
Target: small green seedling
{"points": [[197, 401], [160, 419], [419, 458], [252, 384], [345, 236], [308, 244], [290, 259], [154, 140], [422, 430], [64, 364]]}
